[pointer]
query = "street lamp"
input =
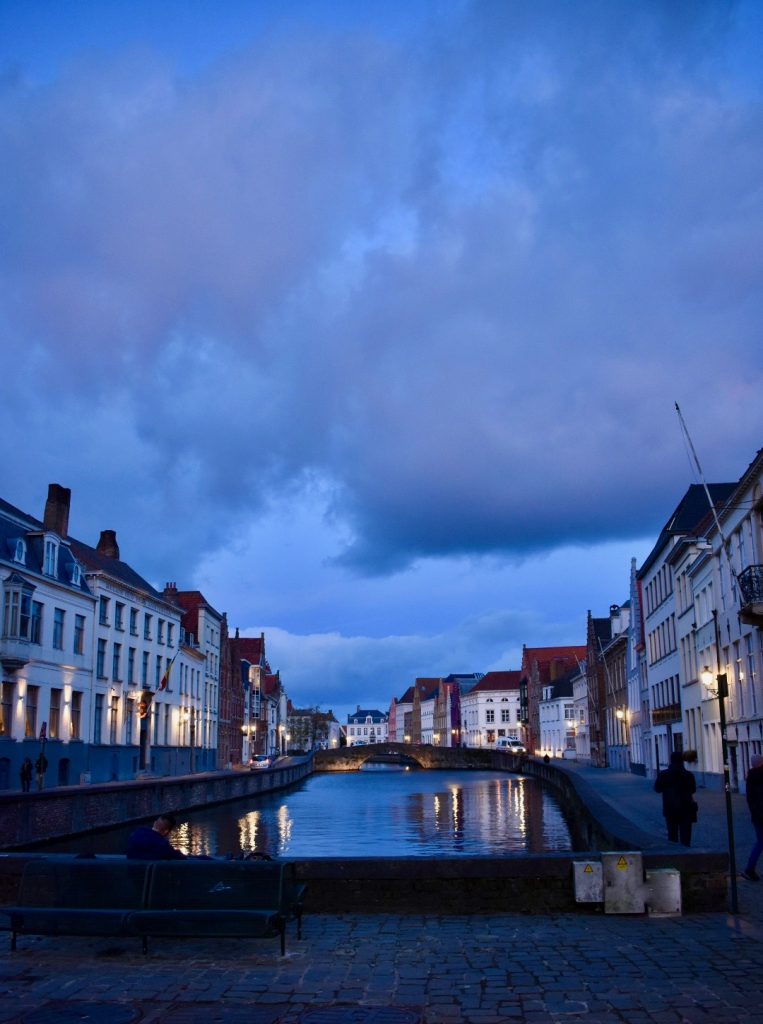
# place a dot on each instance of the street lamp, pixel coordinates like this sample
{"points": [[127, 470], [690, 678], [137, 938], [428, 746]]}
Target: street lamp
{"points": [[721, 691]]}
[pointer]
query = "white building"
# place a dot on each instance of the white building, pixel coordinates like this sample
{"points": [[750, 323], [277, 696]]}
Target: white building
{"points": [[366, 726], [490, 710], [86, 650], [663, 663], [580, 713], [728, 602], [557, 717]]}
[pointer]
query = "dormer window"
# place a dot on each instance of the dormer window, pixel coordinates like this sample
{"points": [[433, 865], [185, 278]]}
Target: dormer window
{"points": [[76, 575], [17, 608], [19, 554], [50, 564]]}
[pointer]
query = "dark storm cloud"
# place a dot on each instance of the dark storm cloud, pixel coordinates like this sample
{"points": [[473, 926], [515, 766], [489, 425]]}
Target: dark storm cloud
{"points": [[460, 283]]}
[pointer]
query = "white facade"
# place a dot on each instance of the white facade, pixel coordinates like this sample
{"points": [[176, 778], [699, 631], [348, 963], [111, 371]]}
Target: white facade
{"points": [[557, 724], [580, 713], [366, 726], [488, 712]]}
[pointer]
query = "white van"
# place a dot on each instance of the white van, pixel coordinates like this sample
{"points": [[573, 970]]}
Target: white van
{"points": [[510, 744]]}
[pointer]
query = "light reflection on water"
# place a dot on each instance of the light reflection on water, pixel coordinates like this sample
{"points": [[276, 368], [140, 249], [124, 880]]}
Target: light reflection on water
{"points": [[374, 814], [390, 814]]}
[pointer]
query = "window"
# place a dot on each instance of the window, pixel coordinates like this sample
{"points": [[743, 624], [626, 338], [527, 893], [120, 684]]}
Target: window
{"points": [[58, 629], [166, 724], [100, 659], [98, 719], [6, 710], [119, 616], [54, 715], [35, 625], [103, 611], [17, 608], [133, 622], [50, 562], [75, 718], [30, 711], [129, 709], [19, 554], [76, 574], [505, 715], [158, 670], [490, 716], [113, 719], [116, 658], [160, 630], [170, 634], [146, 626], [79, 634], [131, 666], [144, 670], [156, 709]]}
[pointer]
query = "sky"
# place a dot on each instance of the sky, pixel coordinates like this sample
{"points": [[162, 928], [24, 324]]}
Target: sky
{"points": [[369, 320]]}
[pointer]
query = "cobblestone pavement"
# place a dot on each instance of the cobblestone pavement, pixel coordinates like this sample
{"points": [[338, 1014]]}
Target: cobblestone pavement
{"points": [[389, 969]]}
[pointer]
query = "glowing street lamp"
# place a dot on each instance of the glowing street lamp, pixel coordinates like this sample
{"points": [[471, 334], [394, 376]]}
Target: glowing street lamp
{"points": [[721, 691]]}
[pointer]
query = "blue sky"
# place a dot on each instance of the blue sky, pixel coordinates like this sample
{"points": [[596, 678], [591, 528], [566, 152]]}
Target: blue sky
{"points": [[369, 319]]}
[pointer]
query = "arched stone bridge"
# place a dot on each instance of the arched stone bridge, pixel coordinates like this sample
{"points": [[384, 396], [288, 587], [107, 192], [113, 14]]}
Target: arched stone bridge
{"points": [[349, 759]]}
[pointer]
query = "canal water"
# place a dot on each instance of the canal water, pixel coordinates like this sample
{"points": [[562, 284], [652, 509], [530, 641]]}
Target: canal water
{"points": [[372, 814]]}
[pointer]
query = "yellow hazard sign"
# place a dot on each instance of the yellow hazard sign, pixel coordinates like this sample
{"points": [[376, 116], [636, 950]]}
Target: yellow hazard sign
{"points": [[588, 870], [622, 864]]}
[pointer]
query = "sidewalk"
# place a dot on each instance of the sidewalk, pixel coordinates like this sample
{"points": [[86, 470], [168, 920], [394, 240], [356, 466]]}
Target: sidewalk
{"points": [[425, 969]]}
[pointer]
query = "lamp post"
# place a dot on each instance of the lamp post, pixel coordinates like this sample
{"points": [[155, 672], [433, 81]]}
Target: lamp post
{"points": [[721, 691]]}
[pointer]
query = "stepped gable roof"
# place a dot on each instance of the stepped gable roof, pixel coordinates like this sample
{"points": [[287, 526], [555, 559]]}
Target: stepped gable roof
{"points": [[498, 681], [691, 515], [96, 561], [546, 657], [407, 697]]}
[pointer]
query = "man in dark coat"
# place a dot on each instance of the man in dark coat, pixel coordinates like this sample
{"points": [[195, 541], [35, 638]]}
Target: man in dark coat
{"points": [[153, 843], [678, 787], [755, 803]]}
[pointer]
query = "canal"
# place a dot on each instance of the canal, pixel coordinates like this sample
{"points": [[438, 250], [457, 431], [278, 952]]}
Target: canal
{"points": [[371, 814]]}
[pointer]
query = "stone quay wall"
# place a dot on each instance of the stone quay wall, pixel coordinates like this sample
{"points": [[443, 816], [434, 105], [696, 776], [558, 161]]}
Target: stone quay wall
{"points": [[535, 884], [31, 818]]}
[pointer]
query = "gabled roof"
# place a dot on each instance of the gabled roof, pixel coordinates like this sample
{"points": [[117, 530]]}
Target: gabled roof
{"points": [[498, 681], [547, 657], [362, 713], [407, 697], [94, 561], [562, 687], [192, 600], [691, 515]]}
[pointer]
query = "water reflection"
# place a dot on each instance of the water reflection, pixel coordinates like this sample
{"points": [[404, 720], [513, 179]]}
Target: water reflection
{"points": [[434, 813]]}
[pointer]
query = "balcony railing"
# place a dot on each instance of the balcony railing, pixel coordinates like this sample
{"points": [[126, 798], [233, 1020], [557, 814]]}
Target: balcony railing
{"points": [[751, 584], [751, 592]]}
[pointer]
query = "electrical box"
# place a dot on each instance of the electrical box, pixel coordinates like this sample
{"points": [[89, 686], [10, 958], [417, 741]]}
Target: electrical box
{"points": [[589, 886], [663, 892], [623, 882]]}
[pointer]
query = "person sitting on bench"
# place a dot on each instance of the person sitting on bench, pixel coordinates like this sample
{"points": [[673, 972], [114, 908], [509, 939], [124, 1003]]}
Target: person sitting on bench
{"points": [[153, 843]]}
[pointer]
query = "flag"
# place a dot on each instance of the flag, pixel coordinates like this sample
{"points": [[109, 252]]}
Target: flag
{"points": [[164, 681]]}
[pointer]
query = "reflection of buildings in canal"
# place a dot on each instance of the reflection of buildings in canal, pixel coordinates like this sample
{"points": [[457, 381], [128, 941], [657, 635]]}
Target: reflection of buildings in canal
{"points": [[515, 815]]}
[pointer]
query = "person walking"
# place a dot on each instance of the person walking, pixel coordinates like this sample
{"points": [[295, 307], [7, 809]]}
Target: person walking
{"points": [[678, 787], [40, 767], [25, 774], [754, 790]]}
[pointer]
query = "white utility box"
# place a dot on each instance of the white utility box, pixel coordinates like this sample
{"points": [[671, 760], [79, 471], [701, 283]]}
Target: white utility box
{"points": [[623, 882], [663, 892], [589, 885]]}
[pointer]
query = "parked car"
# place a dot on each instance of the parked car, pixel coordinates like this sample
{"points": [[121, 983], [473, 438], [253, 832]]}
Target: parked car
{"points": [[513, 746], [260, 761]]}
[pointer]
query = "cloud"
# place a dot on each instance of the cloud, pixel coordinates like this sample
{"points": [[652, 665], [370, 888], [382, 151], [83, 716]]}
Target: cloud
{"points": [[453, 286]]}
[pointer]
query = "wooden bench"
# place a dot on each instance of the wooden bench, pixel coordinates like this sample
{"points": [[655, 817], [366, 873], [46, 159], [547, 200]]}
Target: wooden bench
{"points": [[115, 896]]}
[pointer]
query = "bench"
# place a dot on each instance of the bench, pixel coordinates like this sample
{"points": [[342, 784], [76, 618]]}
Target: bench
{"points": [[120, 897]]}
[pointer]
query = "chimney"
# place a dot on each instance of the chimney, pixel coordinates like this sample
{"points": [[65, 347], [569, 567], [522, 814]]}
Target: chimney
{"points": [[107, 545], [171, 592], [56, 518]]}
